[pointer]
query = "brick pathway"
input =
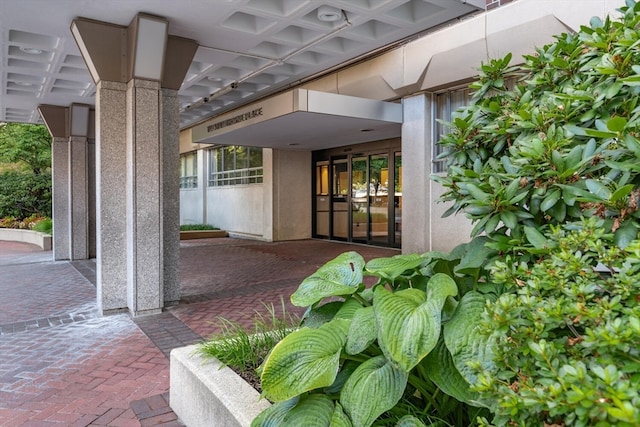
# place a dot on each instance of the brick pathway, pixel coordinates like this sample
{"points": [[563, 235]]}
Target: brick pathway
{"points": [[63, 364]]}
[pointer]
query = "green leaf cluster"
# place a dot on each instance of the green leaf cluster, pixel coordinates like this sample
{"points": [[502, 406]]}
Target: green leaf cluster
{"points": [[394, 352], [562, 144], [567, 338]]}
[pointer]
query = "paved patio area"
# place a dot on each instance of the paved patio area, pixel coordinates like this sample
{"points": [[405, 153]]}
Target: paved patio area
{"points": [[63, 364]]}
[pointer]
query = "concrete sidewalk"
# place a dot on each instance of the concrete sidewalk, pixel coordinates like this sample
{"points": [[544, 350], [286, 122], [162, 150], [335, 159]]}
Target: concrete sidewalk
{"points": [[62, 363]]}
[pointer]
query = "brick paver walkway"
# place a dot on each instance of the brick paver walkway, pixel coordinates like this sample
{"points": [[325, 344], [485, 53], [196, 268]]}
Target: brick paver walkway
{"points": [[63, 364]]}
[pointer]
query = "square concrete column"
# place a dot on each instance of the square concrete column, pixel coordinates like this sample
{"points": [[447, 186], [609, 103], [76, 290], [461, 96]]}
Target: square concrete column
{"points": [[111, 200], [79, 198], [145, 263], [61, 214], [416, 169], [170, 114]]}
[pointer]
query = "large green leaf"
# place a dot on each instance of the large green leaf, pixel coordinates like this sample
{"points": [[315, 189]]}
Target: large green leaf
{"points": [[339, 418], [362, 331], [442, 371], [314, 410], [340, 276], [409, 320], [475, 256], [274, 414], [461, 336], [304, 360], [374, 387], [392, 267]]}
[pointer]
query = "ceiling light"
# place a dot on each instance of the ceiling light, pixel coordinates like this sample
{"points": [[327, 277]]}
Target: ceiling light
{"points": [[31, 50], [329, 14]]}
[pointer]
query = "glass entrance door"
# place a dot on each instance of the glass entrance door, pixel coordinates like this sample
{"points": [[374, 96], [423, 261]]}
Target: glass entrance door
{"points": [[358, 197], [370, 199]]}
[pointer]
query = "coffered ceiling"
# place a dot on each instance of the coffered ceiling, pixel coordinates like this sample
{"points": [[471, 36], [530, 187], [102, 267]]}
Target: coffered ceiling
{"points": [[247, 48]]}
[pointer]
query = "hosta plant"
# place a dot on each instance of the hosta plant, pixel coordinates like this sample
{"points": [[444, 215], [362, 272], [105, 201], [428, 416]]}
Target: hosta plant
{"points": [[567, 336], [396, 351]]}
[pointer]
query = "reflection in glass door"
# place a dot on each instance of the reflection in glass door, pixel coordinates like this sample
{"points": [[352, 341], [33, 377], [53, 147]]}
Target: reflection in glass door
{"points": [[359, 199], [369, 199], [339, 200], [379, 198]]}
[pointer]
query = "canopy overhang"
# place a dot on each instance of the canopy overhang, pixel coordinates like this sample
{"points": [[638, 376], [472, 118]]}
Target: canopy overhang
{"points": [[302, 119]]}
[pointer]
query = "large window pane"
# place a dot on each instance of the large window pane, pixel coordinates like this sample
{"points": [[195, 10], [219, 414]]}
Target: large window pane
{"points": [[235, 165]]}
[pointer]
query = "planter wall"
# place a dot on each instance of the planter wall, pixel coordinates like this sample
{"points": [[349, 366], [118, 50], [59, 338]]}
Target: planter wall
{"points": [[202, 393], [26, 236], [202, 234]]}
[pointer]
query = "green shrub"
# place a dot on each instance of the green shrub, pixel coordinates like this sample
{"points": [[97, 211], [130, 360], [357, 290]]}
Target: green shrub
{"points": [[563, 144], [567, 337], [25, 194], [44, 226], [196, 227]]}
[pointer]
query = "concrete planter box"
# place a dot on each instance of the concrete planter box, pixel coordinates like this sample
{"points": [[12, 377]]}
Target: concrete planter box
{"points": [[202, 234], [202, 394], [26, 236]]}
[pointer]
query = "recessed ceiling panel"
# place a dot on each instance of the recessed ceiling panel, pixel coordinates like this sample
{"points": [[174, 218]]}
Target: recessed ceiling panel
{"points": [[277, 7], [374, 29], [296, 34], [415, 11], [248, 23]]}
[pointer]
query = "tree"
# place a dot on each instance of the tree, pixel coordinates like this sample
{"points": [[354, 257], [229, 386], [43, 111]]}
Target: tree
{"points": [[26, 145], [25, 188]]}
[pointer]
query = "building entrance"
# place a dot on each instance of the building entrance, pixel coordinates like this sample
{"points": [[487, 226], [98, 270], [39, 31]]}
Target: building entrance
{"points": [[359, 197]]}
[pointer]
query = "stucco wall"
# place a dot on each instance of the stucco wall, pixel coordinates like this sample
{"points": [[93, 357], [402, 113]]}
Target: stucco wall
{"points": [[191, 206], [236, 209]]}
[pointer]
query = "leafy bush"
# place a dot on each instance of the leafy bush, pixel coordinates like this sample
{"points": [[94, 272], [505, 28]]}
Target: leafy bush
{"points": [[381, 354], [25, 194], [567, 339], [195, 227], [561, 145], [45, 225]]}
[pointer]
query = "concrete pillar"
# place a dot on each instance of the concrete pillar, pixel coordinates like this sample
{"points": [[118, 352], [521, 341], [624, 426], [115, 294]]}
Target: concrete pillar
{"points": [[170, 134], [416, 168], [61, 214], [79, 198], [137, 159], [69, 127], [111, 184]]}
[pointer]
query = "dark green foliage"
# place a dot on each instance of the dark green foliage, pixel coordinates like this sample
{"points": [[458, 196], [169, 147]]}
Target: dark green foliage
{"points": [[24, 194], [563, 144], [25, 184], [567, 336], [27, 145]]}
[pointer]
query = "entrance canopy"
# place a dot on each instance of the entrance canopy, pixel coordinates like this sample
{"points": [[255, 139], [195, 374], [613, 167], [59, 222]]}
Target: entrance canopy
{"points": [[303, 119]]}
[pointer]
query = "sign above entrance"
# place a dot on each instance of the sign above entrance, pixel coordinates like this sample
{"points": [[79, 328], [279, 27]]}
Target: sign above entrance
{"points": [[303, 119]]}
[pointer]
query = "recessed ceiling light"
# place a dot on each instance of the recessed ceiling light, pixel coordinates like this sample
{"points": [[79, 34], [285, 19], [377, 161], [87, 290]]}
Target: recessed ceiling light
{"points": [[31, 50], [23, 84], [293, 144], [366, 130], [329, 14]]}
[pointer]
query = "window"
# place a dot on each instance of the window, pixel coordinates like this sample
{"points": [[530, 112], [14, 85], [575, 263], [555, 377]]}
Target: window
{"points": [[446, 104], [189, 170], [235, 165]]}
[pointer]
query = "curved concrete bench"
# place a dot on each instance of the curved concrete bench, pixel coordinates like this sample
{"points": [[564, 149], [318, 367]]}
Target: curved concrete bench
{"points": [[26, 236]]}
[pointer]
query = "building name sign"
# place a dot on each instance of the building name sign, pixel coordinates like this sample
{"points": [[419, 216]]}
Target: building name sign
{"points": [[235, 120]]}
